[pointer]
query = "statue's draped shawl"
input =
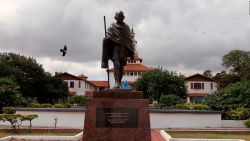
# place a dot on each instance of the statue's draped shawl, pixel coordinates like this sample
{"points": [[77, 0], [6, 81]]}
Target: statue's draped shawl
{"points": [[117, 34]]}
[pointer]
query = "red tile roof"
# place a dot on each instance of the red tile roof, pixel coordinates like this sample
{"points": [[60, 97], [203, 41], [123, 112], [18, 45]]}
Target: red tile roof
{"points": [[199, 77], [68, 76], [99, 83], [82, 76], [135, 67]]}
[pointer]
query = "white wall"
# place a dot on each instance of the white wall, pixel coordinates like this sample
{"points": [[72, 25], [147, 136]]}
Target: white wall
{"points": [[84, 86], [184, 120], [233, 123], [79, 91], [158, 120], [65, 119]]}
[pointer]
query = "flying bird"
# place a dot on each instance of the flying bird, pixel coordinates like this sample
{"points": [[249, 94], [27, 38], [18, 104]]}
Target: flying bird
{"points": [[64, 50]]}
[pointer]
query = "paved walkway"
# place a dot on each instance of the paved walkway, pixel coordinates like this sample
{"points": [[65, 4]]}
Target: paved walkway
{"points": [[156, 136], [209, 129]]}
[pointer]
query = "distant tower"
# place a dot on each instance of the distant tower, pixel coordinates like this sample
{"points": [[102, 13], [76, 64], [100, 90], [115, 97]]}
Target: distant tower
{"points": [[133, 37]]}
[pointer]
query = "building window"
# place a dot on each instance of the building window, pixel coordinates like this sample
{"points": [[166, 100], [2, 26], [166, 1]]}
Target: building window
{"points": [[212, 86], [197, 86], [79, 84], [131, 73], [71, 84], [192, 85]]}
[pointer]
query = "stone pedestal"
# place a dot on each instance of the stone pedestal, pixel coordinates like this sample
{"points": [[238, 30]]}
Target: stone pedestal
{"points": [[117, 115]]}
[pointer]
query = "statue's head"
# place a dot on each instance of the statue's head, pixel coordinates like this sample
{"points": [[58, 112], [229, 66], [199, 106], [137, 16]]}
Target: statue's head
{"points": [[119, 16]]}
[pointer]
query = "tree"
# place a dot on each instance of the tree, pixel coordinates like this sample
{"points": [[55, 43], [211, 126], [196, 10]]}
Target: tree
{"points": [[170, 100], [230, 98], [226, 78], [55, 89], [238, 62], [9, 92], [158, 82], [26, 71], [34, 82], [208, 73]]}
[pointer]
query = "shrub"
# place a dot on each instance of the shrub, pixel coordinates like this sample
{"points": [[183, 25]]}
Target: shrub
{"points": [[29, 118], [35, 105], [150, 100], [247, 123], [58, 106], [9, 110], [170, 100], [184, 106], [158, 105], [239, 113], [200, 107], [26, 101], [78, 99], [46, 105], [14, 119], [67, 105]]}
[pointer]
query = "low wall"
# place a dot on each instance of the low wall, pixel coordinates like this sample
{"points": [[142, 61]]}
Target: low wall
{"points": [[233, 123], [74, 118], [185, 119], [66, 118]]}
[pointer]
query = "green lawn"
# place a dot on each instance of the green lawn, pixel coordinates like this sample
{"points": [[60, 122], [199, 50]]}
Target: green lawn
{"points": [[5, 134], [245, 136]]}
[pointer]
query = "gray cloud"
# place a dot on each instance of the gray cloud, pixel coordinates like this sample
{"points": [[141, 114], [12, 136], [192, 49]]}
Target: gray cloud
{"points": [[193, 34]]}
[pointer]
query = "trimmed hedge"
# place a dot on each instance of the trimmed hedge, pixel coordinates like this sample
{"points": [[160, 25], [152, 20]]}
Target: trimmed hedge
{"points": [[184, 106], [9, 110], [201, 107], [58, 106]]}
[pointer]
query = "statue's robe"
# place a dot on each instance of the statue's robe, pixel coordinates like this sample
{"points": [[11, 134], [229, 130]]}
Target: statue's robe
{"points": [[117, 35]]}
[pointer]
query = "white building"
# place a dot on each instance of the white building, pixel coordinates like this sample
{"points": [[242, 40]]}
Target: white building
{"points": [[78, 85], [200, 86], [132, 71]]}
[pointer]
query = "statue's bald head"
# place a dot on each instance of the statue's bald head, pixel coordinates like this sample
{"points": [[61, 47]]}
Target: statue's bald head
{"points": [[119, 14]]}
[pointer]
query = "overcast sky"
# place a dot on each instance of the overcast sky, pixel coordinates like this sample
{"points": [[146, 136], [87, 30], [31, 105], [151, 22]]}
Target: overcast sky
{"points": [[186, 36]]}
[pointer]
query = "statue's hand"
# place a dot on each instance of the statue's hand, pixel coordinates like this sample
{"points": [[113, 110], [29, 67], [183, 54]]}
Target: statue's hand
{"points": [[105, 40]]}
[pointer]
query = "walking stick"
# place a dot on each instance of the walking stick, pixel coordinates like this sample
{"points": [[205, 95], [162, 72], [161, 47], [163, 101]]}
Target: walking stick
{"points": [[107, 51]]}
